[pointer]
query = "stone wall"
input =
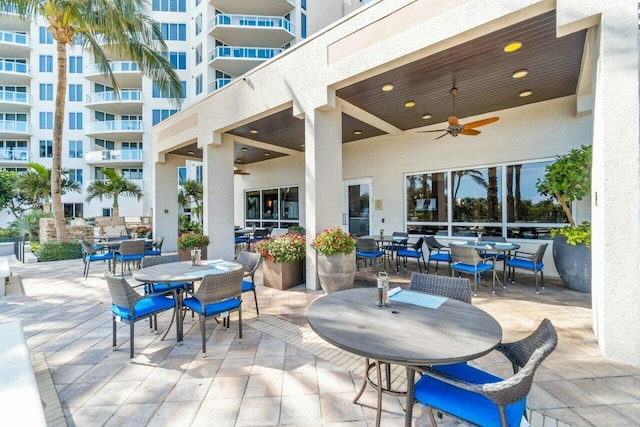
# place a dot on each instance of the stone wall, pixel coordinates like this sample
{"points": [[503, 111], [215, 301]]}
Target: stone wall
{"points": [[48, 231]]}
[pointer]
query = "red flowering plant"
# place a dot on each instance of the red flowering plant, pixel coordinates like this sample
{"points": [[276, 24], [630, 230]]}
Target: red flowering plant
{"points": [[334, 241], [290, 247]]}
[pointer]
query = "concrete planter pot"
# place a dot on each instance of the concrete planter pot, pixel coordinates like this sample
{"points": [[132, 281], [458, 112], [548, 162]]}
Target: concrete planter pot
{"points": [[336, 272], [573, 264], [185, 254], [282, 275]]}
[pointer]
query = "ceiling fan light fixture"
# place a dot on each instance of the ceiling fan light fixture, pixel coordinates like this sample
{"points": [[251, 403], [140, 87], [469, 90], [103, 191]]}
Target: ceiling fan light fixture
{"points": [[191, 152], [518, 74], [357, 132], [238, 160], [513, 46], [254, 131], [426, 116], [410, 104], [525, 93], [387, 87], [267, 154], [302, 145], [244, 149]]}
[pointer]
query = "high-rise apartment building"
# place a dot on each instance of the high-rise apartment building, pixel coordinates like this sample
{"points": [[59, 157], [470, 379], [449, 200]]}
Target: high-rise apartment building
{"points": [[210, 43]]}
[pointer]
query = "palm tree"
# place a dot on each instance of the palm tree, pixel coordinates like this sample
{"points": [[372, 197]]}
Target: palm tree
{"points": [[125, 28], [35, 185], [114, 186], [191, 193]]}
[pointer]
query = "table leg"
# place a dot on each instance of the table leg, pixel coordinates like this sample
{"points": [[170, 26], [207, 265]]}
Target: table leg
{"points": [[408, 414], [379, 412]]}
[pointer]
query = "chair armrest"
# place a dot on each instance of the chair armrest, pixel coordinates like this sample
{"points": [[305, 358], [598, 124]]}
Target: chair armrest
{"points": [[452, 381], [523, 254], [160, 293]]}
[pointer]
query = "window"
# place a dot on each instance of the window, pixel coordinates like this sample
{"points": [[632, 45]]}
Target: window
{"points": [[46, 64], [131, 150], [107, 145], [499, 200], [303, 4], [106, 212], [45, 36], [75, 149], [160, 115], [199, 173], [72, 210], [75, 64], [104, 117], [198, 24], [46, 120], [199, 84], [132, 173], [178, 60], [46, 92], [75, 175], [182, 175], [303, 25], [174, 31], [14, 150], [75, 93], [75, 121], [199, 54], [169, 5], [46, 148], [273, 207], [166, 92]]}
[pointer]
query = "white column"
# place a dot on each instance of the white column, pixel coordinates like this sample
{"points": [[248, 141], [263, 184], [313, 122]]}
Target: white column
{"points": [[323, 179], [217, 178], [165, 201]]}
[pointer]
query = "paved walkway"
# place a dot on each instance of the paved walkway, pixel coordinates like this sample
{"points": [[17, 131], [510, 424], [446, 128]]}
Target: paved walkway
{"points": [[281, 373]]}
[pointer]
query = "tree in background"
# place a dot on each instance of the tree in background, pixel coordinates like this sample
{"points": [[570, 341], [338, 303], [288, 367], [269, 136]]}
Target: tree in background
{"points": [[191, 194], [122, 27], [35, 185], [113, 187]]}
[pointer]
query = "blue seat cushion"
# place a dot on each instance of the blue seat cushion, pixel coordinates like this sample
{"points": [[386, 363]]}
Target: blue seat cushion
{"points": [[247, 286], [468, 268], [440, 257], [410, 253], [212, 309], [144, 307], [131, 257], [164, 287], [464, 404], [100, 257], [152, 252], [375, 254], [497, 256], [241, 240], [524, 263]]}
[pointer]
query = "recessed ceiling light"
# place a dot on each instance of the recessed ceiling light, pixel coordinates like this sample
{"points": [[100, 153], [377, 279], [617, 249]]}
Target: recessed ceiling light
{"points": [[387, 87], [191, 152], [520, 73], [525, 93], [357, 132], [267, 154], [244, 148], [426, 116], [238, 160], [513, 46], [253, 131], [410, 104], [302, 145]]}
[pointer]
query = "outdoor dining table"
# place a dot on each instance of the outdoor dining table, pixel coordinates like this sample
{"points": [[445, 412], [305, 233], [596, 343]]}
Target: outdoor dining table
{"points": [[183, 271], [113, 246], [426, 330]]}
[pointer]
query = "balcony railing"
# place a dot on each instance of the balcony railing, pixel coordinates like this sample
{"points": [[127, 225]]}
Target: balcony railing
{"points": [[255, 21], [14, 67], [9, 8], [15, 38], [15, 154], [116, 67], [244, 52], [11, 96], [115, 126], [15, 126], [114, 156], [218, 83], [127, 95], [138, 182]]}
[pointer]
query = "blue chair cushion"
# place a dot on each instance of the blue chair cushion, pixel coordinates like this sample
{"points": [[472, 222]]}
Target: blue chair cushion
{"points": [[100, 257], [464, 404], [144, 307], [524, 263], [164, 287], [131, 257], [212, 309], [152, 252], [410, 253], [468, 268], [247, 286], [440, 257], [241, 240], [496, 256], [375, 254]]}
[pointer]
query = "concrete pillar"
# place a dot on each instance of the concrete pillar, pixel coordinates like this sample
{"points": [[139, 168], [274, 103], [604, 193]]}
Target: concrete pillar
{"points": [[165, 201], [217, 173], [323, 179]]}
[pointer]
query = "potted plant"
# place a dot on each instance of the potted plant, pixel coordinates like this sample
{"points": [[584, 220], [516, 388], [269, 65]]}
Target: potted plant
{"points": [[569, 179], [283, 265], [336, 259], [189, 241]]}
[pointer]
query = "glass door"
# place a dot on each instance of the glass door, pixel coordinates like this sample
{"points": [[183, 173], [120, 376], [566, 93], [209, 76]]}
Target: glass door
{"points": [[357, 211]]}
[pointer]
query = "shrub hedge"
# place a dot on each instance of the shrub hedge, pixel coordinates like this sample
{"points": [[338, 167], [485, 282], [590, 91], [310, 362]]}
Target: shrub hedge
{"points": [[54, 251]]}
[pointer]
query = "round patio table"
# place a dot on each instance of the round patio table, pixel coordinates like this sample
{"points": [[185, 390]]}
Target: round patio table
{"points": [[406, 334]]}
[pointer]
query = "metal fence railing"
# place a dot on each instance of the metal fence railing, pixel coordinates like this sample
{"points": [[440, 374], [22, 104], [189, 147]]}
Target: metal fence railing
{"points": [[18, 247]]}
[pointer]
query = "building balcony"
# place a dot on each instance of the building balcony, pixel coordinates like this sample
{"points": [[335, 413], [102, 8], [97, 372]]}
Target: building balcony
{"points": [[252, 7], [14, 129], [11, 19], [14, 45], [15, 101], [113, 158], [14, 72], [238, 60], [14, 156], [116, 129], [138, 182], [129, 101], [252, 30], [127, 73], [218, 83]]}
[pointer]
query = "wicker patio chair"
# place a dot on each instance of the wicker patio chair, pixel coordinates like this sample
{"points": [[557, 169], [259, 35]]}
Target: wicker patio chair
{"points": [[90, 253], [156, 248], [128, 252], [162, 287], [450, 287], [488, 400], [217, 295], [414, 252], [529, 261], [367, 249], [465, 259], [250, 262], [437, 252]]}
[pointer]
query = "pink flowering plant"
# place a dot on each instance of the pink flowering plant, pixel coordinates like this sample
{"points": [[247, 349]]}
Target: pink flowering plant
{"points": [[290, 247], [334, 241]]}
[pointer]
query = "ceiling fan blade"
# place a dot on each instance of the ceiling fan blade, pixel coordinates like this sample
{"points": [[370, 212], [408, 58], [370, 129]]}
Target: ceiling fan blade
{"points": [[481, 122], [469, 132], [444, 134], [437, 130], [453, 121]]}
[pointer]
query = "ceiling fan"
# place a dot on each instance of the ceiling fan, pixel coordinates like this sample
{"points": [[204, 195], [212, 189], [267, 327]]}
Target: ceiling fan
{"points": [[456, 128], [237, 171]]}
